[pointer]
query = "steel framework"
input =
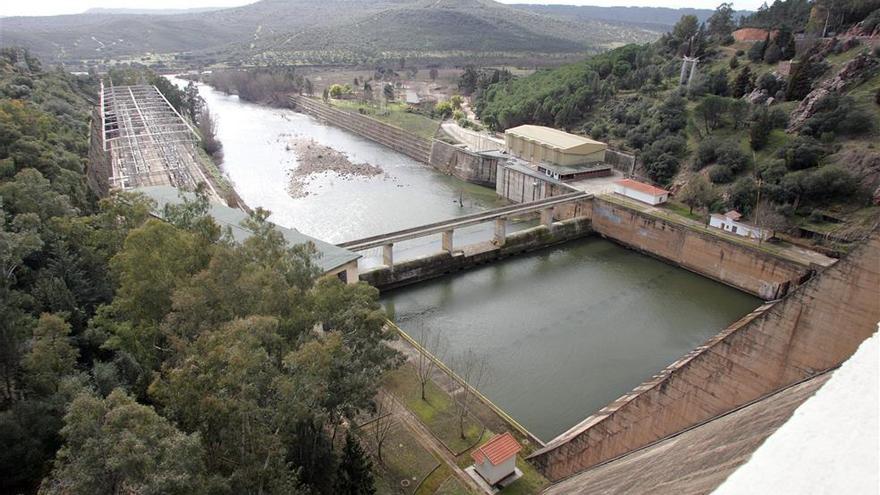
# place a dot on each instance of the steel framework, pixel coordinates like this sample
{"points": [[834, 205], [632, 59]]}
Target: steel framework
{"points": [[149, 142]]}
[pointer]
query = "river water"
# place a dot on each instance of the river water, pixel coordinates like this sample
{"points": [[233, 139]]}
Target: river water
{"points": [[564, 331], [257, 160]]}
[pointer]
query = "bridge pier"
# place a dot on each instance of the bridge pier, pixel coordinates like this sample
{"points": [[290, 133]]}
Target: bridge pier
{"points": [[447, 240], [500, 231], [388, 255], [547, 216]]}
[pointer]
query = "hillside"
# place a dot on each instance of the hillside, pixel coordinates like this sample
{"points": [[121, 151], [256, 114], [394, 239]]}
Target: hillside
{"points": [[329, 26], [791, 143], [658, 19]]}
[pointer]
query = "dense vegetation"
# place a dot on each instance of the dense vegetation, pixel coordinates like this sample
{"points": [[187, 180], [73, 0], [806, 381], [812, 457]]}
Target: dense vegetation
{"points": [[148, 356], [739, 131]]}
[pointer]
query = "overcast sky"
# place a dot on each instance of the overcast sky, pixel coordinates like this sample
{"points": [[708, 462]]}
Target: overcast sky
{"points": [[55, 7]]}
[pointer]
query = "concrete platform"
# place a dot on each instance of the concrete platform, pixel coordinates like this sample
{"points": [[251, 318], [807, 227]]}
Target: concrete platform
{"points": [[489, 489]]}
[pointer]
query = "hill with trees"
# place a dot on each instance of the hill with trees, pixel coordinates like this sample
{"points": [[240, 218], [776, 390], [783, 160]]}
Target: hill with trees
{"points": [[140, 355], [291, 31], [783, 129]]}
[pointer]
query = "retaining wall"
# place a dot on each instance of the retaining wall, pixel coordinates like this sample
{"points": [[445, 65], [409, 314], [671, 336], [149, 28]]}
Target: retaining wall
{"points": [[99, 167], [427, 267], [405, 142], [746, 267], [815, 328], [522, 185], [464, 164]]}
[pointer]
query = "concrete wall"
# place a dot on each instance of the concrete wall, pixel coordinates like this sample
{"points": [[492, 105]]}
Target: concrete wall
{"points": [[743, 266], [815, 328], [464, 164], [475, 141], [407, 143], [99, 168], [427, 267], [620, 161], [523, 186]]}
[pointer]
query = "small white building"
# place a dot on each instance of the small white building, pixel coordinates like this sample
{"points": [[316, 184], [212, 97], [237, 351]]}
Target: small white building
{"points": [[730, 222], [640, 191], [495, 460]]}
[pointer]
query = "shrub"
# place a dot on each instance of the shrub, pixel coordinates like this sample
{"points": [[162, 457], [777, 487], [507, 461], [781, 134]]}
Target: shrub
{"points": [[730, 155], [756, 52], [443, 109], [663, 168], [720, 174], [839, 115], [742, 195], [802, 152]]}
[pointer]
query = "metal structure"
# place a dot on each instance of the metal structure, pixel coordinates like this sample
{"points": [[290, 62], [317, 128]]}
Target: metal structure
{"points": [[148, 141]]}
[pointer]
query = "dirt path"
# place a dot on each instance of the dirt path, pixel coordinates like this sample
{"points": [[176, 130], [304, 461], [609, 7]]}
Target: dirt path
{"points": [[429, 442]]}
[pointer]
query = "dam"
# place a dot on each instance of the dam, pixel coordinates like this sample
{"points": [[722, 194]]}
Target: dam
{"points": [[603, 324]]}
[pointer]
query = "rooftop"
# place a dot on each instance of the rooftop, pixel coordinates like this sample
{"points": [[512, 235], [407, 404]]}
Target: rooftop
{"points": [[329, 257], [497, 450], [554, 137], [574, 169], [641, 187]]}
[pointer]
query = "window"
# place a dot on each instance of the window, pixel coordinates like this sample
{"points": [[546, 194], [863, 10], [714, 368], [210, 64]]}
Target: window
{"points": [[733, 229]]}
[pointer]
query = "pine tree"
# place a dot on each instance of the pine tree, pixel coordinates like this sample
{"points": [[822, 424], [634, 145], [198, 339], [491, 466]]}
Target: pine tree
{"points": [[355, 475], [742, 85]]}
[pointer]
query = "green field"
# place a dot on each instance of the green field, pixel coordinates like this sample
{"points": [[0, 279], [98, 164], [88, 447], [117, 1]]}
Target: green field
{"points": [[395, 114]]}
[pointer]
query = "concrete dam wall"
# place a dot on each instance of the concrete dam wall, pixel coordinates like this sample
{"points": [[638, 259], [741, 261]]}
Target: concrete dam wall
{"points": [[815, 328], [744, 266], [397, 139]]}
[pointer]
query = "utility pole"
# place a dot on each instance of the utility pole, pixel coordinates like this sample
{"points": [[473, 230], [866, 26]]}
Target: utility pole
{"points": [[758, 212]]}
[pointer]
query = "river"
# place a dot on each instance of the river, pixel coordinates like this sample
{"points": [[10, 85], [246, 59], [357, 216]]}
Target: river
{"points": [[564, 331]]}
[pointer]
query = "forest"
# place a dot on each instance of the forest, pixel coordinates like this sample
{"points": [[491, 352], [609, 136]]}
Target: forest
{"points": [[148, 356]]}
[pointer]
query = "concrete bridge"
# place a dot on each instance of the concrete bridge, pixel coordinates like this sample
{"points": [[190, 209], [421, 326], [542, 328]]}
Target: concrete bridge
{"points": [[563, 218]]}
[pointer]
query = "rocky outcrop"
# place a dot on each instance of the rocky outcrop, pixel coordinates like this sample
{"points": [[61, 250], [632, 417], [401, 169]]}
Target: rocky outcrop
{"points": [[854, 72]]}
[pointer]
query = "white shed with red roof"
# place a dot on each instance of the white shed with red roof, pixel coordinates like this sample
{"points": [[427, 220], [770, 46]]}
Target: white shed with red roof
{"points": [[640, 191], [495, 460]]}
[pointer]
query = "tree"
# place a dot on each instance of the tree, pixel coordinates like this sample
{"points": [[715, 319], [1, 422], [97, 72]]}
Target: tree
{"points": [[443, 109], [711, 109], [718, 84], [472, 371], [772, 54], [685, 28], [433, 73], [756, 52], [116, 445], [721, 22], [208, 132], [388, 92], [734, 62], [383, 423], [355, 475], [51, 357], [469, 80], [697, 193], [434, 343], [743, 83], [308, 87], [759, 130]]}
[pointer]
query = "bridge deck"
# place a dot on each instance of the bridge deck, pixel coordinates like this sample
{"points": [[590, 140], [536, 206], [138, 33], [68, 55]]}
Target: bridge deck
{"points": [[462, 221]]}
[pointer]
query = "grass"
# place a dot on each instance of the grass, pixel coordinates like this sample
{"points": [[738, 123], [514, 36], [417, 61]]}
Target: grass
{"points": [[683, 210], [530, 482], [452, 486], [404, 464], [394, 114], [437, 412]]}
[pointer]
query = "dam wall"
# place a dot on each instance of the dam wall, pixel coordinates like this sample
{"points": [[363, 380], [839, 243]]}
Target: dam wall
{"points": [[436, 265], [462, 163], [816, 327], [746, 266], [399, 140]]}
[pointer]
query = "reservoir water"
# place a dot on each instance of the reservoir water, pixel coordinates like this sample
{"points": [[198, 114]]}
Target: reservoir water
{"points": [[567, 330], [564, 331]]}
